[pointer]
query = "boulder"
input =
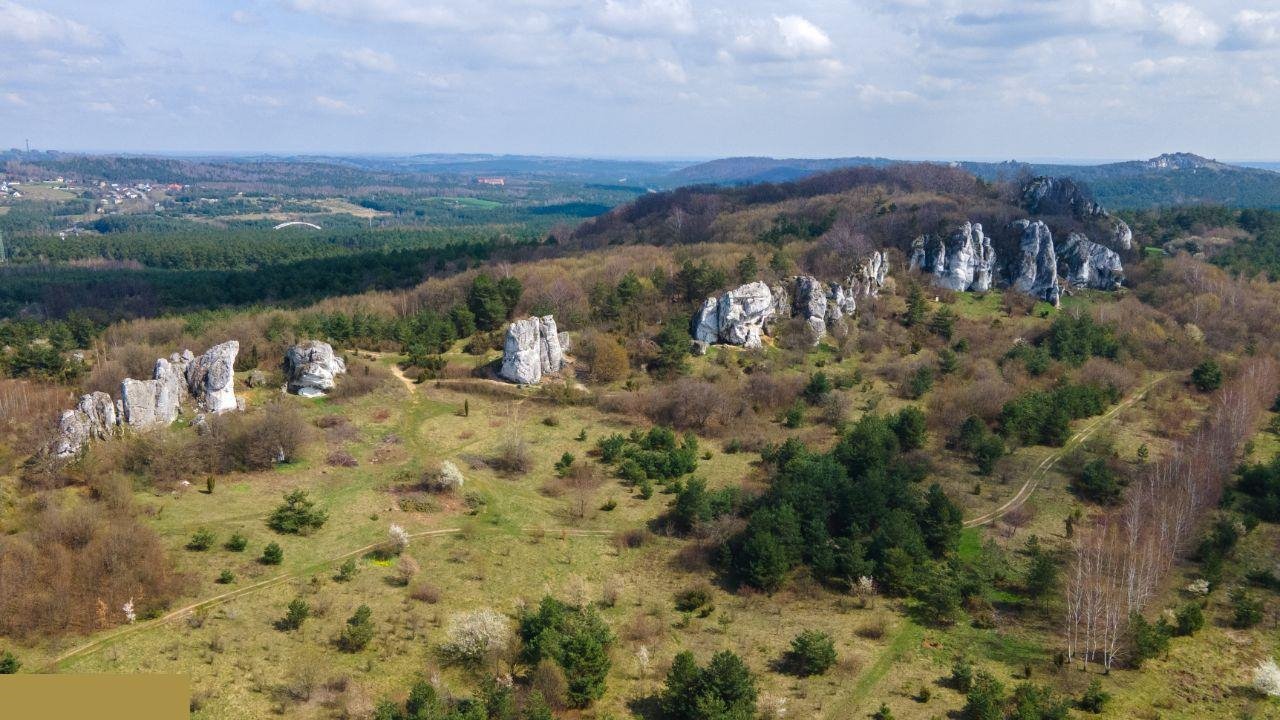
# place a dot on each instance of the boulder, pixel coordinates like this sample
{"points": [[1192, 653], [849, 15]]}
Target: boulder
{"points": [[1035, 270], [531, 349], [811, 304], [94, 418], [1090, 265], [699, 348], [211, 378], [742, 313], [963, 261], [706, 324], [1121, 236], [256, 378], [139, 401], [549, 350], [309, 368]]}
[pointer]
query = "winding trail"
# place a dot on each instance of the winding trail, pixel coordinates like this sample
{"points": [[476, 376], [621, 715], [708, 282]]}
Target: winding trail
{"points": [[1042, 470]]}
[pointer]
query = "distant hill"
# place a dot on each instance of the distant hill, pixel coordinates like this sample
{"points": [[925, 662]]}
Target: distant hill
{"points": [[1166, 180]]}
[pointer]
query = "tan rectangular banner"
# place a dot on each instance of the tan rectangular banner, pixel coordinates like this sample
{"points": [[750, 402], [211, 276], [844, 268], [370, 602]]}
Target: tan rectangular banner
{"points": [[101, 697]]}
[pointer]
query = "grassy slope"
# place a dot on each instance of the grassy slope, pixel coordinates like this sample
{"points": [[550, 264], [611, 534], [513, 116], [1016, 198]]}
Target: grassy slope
{"points": [[522, 544]]}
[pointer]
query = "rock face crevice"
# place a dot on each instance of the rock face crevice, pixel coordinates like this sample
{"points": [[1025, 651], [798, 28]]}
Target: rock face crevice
{"points": [[310, 368], [531, 349], [963, 261], [208, 380]]}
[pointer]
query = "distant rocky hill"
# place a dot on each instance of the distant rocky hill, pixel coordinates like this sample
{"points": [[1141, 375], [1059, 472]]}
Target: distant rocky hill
{"points": [[1170, 179], [1044, 236]]}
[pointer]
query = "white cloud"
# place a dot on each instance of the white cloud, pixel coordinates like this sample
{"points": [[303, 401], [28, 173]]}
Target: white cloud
{"points": [[872, 95], [1187, 25], [368, 60], [265, 101], [405, 12], [1252, 29], [336, 106], [245, 17], [789, 37], [637, 18], [1149, 68], [38, 27], [673, 71], [14, 99], [101, 107], [1118, 14]]}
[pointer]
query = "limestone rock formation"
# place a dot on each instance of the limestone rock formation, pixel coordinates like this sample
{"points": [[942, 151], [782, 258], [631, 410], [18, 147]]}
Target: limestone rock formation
{"points": [[1090, 265], [310, 368], [737, 317], [531, 349], [1121, 236], [94, 418], [211, 378], [153, 402], [1035, 270], [868, 279], [963, 261], [1059, 196], [811, 304]]}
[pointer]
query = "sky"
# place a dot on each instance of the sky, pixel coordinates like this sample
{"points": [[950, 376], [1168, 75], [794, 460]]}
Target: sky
{"points": [[971, 79]]}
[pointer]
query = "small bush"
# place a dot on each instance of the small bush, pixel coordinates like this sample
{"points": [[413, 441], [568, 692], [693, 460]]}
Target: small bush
{"points": [[201, 541], [1207, 376], [812, 653], [425, 592], [297, 515], [1246, 611], [295, 614], [694, 598], [226, 577], [358, 631], [346, 571], [341, 458], [272, 555], [237, 543], [9, 664], [1190, 618], [1094, 699]]}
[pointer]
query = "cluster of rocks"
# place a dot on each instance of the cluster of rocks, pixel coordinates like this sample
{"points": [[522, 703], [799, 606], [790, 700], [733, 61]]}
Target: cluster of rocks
{"points": [[532, 348], [310, 368], [208, 380], [742, 316], [967, 260], [963, 261]]}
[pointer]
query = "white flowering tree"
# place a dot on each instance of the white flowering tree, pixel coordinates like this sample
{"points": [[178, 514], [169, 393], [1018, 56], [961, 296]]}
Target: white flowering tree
{"points": [[129, 614], [399, 538], [478, 635]]}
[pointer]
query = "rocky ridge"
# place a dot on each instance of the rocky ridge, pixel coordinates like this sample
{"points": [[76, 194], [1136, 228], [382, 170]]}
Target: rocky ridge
{"points": [[208, 381], [742, 316]]}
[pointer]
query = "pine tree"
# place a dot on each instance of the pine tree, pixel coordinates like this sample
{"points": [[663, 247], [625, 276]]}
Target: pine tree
{"points": [[915, 306]]}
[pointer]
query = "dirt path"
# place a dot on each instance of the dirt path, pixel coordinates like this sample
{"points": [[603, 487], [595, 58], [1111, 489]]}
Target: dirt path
{"points": [[225, 597], [1042, 470]]}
